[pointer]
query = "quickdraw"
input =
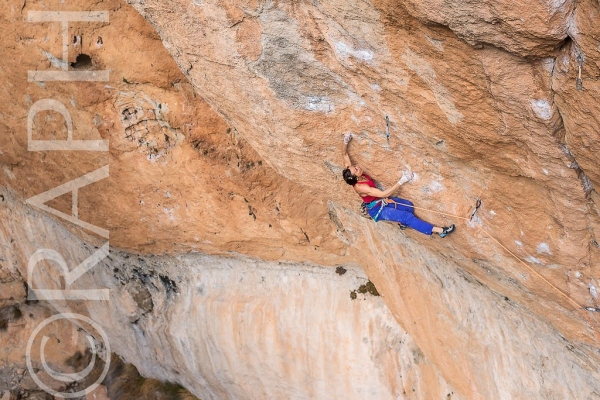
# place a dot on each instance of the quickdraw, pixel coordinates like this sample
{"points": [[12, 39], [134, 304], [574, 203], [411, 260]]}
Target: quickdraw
{"points": [[477, 205], [387, 129], [578, 80]]}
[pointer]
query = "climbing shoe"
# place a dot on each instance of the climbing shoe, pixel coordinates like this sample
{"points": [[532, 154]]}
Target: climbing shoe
{"points": [[447, 230]]}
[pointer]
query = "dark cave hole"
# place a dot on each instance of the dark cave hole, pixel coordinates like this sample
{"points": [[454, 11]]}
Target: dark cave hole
{"points": [[83, 61]]}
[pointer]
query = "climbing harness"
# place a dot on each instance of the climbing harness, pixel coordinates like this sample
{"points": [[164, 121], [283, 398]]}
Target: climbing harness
{"points": [[477, 205], [387, 129], [373, 204], [365, 213], [570, 299], [579, 81]]}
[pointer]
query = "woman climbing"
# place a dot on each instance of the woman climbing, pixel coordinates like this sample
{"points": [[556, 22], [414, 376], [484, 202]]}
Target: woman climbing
{"points": [[379, 205]]}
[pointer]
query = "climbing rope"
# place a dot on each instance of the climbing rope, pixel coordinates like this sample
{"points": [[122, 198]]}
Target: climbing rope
{"points": [[578, 306]]}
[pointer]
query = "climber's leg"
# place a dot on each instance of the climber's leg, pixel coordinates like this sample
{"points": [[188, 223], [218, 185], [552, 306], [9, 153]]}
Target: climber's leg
{"points": [[403, 205], [389, 213]]}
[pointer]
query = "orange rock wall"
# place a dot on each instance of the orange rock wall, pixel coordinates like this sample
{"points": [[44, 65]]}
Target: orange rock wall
{"points": [[180, 180], [235, 148], [179, 177], [482, 103]]}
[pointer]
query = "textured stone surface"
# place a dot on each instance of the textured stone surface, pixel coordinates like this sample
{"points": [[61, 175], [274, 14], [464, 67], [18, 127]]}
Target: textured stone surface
{"points": [[179, 177], [487, 338], [64, 341], [230, 328], [482, 102], [525, 28], [484, 121]]}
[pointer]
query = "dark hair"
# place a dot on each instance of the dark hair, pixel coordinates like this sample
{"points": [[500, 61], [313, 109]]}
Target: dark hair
{"points": [[349, 177]]}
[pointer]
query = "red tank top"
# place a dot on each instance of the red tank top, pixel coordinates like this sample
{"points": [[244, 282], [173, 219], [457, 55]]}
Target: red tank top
{"points": [[368, 199]]}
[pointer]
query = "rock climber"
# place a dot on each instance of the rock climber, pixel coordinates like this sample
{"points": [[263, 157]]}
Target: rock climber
{"points": [[381, 207]]}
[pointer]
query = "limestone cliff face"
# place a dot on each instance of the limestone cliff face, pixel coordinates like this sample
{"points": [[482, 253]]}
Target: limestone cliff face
{"points": [[482, 103], [234, 148], [180, 179], [230, 328]]}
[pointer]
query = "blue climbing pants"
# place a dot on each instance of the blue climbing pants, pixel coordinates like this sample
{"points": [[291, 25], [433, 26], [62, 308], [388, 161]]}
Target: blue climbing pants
{"points": [[402, 212]]}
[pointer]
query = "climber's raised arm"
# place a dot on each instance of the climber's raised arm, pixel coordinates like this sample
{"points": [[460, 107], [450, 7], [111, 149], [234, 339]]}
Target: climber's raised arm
{"points": [[347, 139]]}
